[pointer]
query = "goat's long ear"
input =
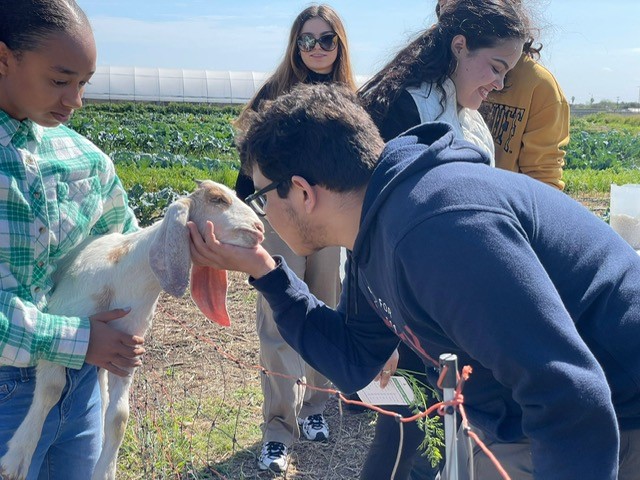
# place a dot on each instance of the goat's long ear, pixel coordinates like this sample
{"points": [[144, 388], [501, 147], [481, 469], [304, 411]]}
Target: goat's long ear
{"points": [[170, 256], [209, 292]]}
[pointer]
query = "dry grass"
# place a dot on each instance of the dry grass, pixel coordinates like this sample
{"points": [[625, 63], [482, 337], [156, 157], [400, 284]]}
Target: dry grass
{"points": [[196, 404]]}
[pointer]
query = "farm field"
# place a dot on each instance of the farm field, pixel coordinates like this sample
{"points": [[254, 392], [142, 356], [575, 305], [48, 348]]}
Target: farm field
{"points": [[195, 403], [160, 150]]}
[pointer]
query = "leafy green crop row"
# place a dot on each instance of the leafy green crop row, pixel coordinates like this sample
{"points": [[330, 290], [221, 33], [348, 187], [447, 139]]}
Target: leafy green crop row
{"points": [[603, 150], [159, 150], [604, 141], [154, 129], [156, 135]]}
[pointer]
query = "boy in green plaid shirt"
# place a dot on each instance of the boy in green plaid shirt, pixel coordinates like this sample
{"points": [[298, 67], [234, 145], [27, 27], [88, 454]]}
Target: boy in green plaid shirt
{"points": [[56, 188]]}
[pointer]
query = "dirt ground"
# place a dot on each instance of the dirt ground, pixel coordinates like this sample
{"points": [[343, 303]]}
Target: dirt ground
{"points": [[190, 357]]}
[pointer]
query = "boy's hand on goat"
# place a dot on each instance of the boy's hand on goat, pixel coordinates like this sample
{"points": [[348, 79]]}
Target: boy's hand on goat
{"points": [[209, 252], [112, 349]]}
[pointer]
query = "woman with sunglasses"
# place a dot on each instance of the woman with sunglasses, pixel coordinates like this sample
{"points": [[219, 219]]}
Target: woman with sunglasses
{"points": [[317, 52]]}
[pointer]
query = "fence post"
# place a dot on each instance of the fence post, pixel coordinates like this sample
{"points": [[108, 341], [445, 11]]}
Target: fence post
{"points": [[449, 383]]}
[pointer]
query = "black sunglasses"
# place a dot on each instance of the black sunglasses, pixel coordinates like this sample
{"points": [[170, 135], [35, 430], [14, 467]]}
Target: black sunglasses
{"points": [[258, 200], [328, 42]]}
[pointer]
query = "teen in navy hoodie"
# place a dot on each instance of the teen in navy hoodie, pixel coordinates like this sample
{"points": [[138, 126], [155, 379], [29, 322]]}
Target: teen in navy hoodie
{"points": [[448, 255]]}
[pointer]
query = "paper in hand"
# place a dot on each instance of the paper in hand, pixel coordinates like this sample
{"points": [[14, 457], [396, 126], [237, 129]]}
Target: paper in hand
{"points": [[397, 392]]}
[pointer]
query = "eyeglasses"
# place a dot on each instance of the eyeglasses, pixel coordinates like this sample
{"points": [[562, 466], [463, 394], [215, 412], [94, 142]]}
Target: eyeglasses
{"points": [[258, 200], [328, 42]]}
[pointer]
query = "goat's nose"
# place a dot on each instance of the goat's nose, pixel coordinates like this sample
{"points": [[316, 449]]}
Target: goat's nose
{"points": [[259, 226]]}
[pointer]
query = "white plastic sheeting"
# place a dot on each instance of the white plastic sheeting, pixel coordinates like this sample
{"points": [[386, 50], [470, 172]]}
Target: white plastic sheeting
{"points": [[176, 85], [173, 85]]}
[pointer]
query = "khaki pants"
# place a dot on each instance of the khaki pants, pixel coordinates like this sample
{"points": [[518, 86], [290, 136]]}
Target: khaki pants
{"points": [[284, 401]]}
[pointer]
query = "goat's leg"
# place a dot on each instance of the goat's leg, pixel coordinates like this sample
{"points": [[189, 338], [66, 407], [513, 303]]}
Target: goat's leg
{"points": [[50, 381], [103, 381], [115, 423]]}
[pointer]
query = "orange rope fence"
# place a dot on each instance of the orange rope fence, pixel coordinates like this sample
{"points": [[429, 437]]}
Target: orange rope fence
{"points": [[439, 407]]}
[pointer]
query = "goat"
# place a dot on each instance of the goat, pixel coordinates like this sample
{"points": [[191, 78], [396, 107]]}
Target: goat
{"points": [[117, 271]]}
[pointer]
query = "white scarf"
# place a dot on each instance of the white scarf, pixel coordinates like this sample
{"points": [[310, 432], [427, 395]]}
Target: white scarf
{"points": [[466, 123]]}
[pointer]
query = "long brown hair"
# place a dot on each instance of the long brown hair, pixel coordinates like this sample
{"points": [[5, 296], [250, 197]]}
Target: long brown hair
{"points": [[292, 69], [428, 58]]}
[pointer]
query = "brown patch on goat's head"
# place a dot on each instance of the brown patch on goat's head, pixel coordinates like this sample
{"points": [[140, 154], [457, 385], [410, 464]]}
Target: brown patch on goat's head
{"points": [[208, 194], [116, 254], [215, 194], [103, 299]]}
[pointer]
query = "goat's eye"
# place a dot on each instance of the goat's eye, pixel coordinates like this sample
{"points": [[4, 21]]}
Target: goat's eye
{"points": [[219, 201]]}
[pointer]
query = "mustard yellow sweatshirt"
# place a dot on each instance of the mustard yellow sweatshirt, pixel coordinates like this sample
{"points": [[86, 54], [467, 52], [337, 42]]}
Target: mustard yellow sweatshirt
{"points": [[529, 122]]}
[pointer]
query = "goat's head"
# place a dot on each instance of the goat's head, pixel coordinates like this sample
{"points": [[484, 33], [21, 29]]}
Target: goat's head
{"points": [[235, 223], [170, 258]]}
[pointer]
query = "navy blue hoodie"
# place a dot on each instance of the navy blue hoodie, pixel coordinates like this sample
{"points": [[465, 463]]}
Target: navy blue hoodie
{"points": [[524, 284]]}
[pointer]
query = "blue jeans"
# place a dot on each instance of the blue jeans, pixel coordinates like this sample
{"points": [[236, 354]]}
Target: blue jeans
{"points": [[71, 439]]}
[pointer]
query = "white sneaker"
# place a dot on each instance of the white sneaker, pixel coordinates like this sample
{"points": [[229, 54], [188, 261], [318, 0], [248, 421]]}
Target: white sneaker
{"points": [[273, 457], [314, 428]]}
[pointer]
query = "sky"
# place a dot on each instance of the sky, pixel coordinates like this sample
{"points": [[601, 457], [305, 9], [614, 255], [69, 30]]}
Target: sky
{"points": [[588, 45]]}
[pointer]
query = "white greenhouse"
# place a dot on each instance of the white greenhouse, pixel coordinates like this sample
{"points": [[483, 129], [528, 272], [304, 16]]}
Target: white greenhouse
{"points": [[172, 85], [141, 84]]}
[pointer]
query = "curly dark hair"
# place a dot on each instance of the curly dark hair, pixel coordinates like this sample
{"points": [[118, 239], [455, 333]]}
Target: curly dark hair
{"points": [[317, 131]]}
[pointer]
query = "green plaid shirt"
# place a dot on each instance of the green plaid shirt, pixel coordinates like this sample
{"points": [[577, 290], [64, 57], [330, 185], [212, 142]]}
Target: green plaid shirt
{"points": [[56, 188]]}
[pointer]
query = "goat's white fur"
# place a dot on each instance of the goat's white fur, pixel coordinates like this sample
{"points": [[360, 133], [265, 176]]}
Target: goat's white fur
{"points": [[118, 271]]}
